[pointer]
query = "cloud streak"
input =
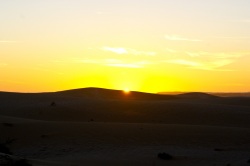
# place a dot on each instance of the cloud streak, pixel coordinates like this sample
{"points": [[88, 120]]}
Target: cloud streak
{"points": [[184, 62], [216, 55], [178, 38], [128, 51], [212, 66], [125, 65], [206, 60], [117, 50]]}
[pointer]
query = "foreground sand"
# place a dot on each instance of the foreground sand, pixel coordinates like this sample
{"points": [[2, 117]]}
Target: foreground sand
{"points": [[82, 130]]}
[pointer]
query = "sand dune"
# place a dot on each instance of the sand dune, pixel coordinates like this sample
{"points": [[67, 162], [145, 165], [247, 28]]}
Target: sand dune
{"points": [[77, 128]]}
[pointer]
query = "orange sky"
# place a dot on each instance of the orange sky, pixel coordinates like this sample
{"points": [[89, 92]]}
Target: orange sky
{"points": [[151, 46]]}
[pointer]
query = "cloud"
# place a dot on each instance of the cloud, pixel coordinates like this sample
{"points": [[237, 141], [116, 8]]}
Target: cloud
{"points": [[126, 65], [121, 50], [184, 62], [117, 50], [178, 38], [221, 63], [217, 55], [212, 66], [207, 60]]}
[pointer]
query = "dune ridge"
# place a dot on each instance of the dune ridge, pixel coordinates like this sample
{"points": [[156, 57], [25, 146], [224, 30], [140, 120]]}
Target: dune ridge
{"points": [[108, 127]]}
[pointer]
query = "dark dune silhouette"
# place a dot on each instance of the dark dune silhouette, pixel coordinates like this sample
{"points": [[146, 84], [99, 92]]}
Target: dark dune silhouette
{"points": [[100, 93], [221, 94], [197, 95], [98, 126], [104, 105]]}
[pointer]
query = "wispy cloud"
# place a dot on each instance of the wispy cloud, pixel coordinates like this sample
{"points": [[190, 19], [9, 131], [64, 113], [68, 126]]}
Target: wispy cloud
{"points": [[117, 50], [121, 50], [179, 38], [212, 66], [217, 55], [207, 60], [184, 62], [126, 65]]}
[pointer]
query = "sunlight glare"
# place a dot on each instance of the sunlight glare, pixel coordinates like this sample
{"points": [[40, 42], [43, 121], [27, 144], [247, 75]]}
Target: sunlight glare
{"points": [[126, 91]]}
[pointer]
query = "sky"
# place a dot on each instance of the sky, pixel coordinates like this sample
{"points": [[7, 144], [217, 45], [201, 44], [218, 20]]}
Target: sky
{"points": [[141, 45]]}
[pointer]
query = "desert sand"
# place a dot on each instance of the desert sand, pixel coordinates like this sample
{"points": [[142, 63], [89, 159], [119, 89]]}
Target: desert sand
{"points": [[96, 127]]}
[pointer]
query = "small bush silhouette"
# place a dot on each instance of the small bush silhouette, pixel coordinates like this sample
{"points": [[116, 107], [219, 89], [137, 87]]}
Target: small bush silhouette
{"points": [[44, 136], [218, 149], [53, 104], [165, 156], [7, 124]]}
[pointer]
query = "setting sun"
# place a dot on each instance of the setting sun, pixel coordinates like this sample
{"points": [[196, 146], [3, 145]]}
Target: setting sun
{"points": [[126, 90], [148, 46], [125, 82]]}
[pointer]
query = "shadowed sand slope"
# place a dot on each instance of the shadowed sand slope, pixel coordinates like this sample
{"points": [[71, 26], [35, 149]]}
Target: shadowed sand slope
{"points": [[197, 95], [70, 106], [67, 143], [99, 93], [105, 127]]}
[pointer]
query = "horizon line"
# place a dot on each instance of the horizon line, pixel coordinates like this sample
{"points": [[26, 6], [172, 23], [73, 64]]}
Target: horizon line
{"points": [[160, 92]]}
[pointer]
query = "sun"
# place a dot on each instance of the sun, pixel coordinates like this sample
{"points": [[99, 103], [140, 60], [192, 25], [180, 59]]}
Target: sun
{"points": [[126, 90]]}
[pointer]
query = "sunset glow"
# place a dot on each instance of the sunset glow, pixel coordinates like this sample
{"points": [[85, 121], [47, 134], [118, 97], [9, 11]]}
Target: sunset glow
{"points": [[149, 46], [126, 91]]}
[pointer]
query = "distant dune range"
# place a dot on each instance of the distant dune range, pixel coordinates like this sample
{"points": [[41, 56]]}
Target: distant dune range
{"points": [[101, 126], [221, 94], [102, 105]]}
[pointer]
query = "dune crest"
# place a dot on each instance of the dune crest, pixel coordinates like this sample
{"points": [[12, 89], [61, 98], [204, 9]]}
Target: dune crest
{"points": [[107, 127]]}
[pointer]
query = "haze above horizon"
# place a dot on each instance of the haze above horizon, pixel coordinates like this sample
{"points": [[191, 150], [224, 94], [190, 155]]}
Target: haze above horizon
{"points": [[133, 45]]}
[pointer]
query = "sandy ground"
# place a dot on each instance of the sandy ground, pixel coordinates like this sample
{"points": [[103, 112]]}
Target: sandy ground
{"points": [[83, 130]]}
